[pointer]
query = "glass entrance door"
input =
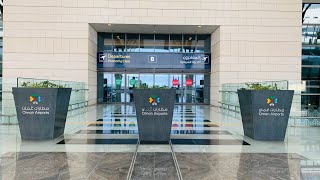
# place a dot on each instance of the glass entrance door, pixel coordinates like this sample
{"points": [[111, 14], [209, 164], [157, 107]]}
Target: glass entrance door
{"points": [[111, 87], [175, 81], [118, 87], [189, 90], [196, 88], [133, 81]]}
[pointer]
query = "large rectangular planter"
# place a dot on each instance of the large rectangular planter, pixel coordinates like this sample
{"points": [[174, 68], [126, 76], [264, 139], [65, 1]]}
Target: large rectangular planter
{"points": [[41, 112], [154, 109], [265, 113]]}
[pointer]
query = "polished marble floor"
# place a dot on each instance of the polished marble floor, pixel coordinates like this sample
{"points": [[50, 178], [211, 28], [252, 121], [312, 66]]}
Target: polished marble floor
{"points": [[102, 143], [156, 165]]}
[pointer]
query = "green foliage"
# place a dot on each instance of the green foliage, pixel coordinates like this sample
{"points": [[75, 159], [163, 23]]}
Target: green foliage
{"points": [[144, 86], [258, 86], [43, 84]]}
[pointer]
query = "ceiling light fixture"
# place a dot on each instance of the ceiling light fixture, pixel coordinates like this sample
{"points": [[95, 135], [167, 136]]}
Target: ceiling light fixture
{"points": [[109, 24], [199, 26]]}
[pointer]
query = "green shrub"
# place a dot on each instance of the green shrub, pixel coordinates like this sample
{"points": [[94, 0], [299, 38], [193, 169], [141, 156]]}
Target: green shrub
{"points": [[258, 86], [144, 86], [43, 84]]}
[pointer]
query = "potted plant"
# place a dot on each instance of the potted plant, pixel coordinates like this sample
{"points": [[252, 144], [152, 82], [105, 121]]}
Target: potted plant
{"points": [[265, 111], [41, 109], [154, 109]]}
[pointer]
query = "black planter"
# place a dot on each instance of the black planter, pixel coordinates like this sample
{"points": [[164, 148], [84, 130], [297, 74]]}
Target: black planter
{"points": [[41, 112], [265, 113], [154, 109]]}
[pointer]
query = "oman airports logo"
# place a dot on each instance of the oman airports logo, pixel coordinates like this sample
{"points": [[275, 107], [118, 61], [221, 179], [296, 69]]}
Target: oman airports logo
{"points": [[154, 100], [272, 101], [35, 98]]}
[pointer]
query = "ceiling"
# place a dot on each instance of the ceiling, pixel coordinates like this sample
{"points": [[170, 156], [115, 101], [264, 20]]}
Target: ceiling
{"points": [[167, 29]]}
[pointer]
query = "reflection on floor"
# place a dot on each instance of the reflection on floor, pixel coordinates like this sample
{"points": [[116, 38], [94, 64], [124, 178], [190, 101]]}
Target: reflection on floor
{"points": [[205, 144], [187, 123], [156, 165]]}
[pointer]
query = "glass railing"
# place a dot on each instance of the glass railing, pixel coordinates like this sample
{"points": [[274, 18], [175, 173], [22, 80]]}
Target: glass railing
{"points": [[78, 97]]}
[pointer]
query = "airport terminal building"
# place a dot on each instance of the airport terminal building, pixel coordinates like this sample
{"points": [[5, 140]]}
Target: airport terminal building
{"points": [[114, 46], [156, 89]]}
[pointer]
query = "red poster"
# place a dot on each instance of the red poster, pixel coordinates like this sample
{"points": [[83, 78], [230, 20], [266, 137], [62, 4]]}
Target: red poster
{"points": [[175, 82], [189, 82]]}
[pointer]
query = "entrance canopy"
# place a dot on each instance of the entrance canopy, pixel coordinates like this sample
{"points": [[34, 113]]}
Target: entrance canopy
{"points": [[166, 29]]}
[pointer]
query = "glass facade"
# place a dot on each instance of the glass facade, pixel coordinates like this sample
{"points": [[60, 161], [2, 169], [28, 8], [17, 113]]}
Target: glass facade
{"points": [[174, 43], [117, 87], [310, 96], [310, 13]]}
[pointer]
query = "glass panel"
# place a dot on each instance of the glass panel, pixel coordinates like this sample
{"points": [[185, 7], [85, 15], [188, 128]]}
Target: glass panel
{"points": [[175, 43], [161, 80], [111, 87], [146, 80], [132, 42], [203, 43], [310, 73], [189, 43], [311, 34], [189, 90], [162, 43], [147, 43], [310, 102], [132, 83], [175, 81], [104, 42], [311, 13], [119, 42], [118, 87], [199, 83]]}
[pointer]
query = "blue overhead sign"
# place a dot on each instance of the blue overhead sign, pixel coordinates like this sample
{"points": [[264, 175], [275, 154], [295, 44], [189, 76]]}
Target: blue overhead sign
{"points": [[154, 60]]}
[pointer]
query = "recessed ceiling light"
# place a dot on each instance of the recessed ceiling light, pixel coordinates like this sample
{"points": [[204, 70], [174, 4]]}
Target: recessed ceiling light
{"points": [[199, 26]]}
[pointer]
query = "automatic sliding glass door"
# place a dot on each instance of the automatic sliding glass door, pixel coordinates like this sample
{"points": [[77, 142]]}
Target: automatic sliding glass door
{"points": [[132, 82], [175, 81], [118, 87], [111, 87]]}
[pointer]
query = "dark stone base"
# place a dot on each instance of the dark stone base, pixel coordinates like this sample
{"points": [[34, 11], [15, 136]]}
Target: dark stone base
{"points": [[154, 127], [262, 120], [44, 124]]}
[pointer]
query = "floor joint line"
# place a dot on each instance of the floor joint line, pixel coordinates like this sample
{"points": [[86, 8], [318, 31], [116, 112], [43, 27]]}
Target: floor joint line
{"points": [[133, 161], [175, 162]]}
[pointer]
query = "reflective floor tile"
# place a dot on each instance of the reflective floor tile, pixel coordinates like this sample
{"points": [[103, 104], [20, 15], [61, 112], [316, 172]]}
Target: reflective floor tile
{"points": [[219, 142], [149, 166], [183, 141], [112, 166], [125, 141], [98, 141], [154, 142], [136, 132]]}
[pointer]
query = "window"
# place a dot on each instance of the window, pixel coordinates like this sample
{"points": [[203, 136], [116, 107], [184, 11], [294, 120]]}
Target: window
{"points": [[203, 43], [147, 43], [118, 42], [132, 42], [104, 42], [189, 43], [175, 43], [162, 43]]}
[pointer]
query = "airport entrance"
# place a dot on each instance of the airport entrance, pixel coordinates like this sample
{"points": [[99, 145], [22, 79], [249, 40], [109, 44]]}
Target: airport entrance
{"points": [[191, 88], [126, 61]]}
